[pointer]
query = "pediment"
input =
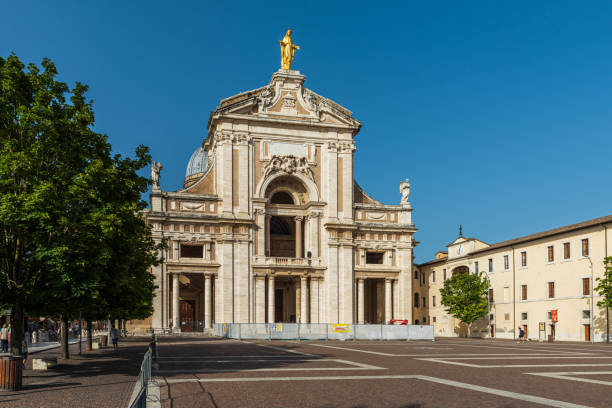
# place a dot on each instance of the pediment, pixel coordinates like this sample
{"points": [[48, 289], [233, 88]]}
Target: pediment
{"points": [[285, 97]]}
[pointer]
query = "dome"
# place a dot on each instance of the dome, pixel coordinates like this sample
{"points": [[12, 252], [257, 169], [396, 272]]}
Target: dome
{"points": [[197, 162]]}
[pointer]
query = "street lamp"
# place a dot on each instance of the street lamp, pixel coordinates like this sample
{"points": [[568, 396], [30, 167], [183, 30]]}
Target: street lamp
{"points": [[592, 289]]}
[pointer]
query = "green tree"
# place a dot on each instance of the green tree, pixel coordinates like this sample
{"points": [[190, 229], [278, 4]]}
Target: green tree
{"points": [[465, 296], [64, 203], [604, 287]]}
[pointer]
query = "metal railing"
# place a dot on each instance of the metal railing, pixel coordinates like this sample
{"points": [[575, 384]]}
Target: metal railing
{"points": [[139, 394], [322, 331]]}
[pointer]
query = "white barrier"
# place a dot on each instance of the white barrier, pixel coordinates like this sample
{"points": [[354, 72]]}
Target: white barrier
{"points": [[322, 331]]}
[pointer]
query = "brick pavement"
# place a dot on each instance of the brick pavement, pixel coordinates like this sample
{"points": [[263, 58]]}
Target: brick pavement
{"points": [[99, 379], [446, 373]]}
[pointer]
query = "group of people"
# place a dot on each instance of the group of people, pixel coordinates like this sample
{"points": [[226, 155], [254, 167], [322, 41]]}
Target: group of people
{"points": [[5, 338]]}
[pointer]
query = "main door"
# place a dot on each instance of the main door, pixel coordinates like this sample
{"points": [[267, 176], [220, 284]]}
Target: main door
{"points": [[187, 315]]}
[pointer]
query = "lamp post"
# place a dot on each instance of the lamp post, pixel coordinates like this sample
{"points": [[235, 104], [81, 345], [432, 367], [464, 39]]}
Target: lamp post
{"points": [[592, 331]]}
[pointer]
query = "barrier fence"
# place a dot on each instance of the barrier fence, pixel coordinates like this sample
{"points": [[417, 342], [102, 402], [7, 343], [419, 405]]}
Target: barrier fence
{"points": [[139, 394], [322, 331]]}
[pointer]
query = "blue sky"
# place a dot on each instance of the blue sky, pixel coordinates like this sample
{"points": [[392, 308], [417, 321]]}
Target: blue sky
{"points": [[500, 113]]}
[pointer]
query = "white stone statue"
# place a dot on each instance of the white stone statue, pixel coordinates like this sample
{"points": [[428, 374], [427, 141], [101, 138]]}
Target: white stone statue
{"points": [[156, 168], [404, 187]]}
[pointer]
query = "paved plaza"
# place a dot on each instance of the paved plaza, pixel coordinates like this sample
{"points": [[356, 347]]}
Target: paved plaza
{"points": [[102, 378], [202, 372]]}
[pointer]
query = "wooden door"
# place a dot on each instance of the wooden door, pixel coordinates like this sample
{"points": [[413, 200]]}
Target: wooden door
{"points": [[492, 330], [187, 315], [552, 330], [525, 330], [587, 332], [278, 305]]}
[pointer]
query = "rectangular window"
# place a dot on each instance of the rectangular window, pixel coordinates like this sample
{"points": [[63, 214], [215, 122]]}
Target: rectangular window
{"points": [[566, 250], [524, 316], [375, 258], [551, 254], [490, 295], [424, 302], [416, 300], [476, 266], [506, 263], [549, 315], [551, 290], [433, 276], [586, 286], [524, 259], [192, 251], [490, 264], [434, 319], [586, 314], [523, 292], [416, 274], [444, 273], [585, 247], [433, 301], [506, 316], [491, 317], [423, 278]]}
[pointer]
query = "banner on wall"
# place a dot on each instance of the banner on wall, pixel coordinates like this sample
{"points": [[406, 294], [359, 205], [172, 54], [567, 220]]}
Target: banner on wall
{"points": [[340, 328]]}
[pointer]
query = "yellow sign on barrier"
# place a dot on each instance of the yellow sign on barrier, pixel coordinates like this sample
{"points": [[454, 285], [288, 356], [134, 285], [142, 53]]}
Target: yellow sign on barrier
{"points": [[279, 327], [340, 328]]}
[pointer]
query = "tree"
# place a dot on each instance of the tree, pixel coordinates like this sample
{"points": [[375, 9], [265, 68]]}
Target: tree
{"points": [[63, 199], [604, 288], [465, 296]]}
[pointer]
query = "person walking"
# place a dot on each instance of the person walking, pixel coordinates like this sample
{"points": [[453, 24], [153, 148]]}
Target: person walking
{"points": [[4, 337], [24, 352], [115, 337], [521, 335]]}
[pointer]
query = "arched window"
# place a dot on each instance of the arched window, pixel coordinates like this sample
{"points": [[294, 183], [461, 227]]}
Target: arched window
{"points": [[416, 300], [282, 197]]}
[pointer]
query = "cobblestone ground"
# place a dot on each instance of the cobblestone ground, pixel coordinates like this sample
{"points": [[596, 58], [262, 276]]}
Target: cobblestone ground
{"points": [[420, 374], [98, 379]]}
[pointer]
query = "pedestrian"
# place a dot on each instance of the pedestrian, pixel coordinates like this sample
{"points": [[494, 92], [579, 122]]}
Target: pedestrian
{"points": [[115, 337], [24, 352], [521, 334], [4, 337]]}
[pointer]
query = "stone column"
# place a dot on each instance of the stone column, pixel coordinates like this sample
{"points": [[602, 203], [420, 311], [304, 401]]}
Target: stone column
{"points": [[304, 300], [207, 301], [396, 299], [176, 313], [314, 300], [360, 302], [268, 244], [314, 239], [261, 232], [298, 237], [271, 308], [260, 299], [388, 298]]}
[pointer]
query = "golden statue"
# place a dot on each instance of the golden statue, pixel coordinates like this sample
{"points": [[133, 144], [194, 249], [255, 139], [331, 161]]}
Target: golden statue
{"points": [[287, 50]]}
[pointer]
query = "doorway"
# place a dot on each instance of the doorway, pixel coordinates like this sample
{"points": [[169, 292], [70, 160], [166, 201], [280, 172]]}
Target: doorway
{"points": [[552, 330], [587, 332], [187, 315], [492, 330], [526, 332]]}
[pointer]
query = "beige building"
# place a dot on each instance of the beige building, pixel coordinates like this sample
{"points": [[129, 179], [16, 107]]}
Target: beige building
{"points": [[541, 282], [271, 226]]}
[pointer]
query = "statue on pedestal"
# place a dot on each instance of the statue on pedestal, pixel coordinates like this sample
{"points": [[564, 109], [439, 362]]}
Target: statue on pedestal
{"points": [[404, 187], [156, 168], [287, 50]]}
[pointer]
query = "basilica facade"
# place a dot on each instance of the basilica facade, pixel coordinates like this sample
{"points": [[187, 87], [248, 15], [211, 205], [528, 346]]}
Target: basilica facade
{"points": [[271, 226]]}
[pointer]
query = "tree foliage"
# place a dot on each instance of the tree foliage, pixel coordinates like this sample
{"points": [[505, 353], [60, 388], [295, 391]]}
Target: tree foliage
{"points": [[604, 287], [71, 234], [465, 296]]}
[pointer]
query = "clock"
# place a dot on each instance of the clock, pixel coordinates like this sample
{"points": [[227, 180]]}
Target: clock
{"points": [[460, 250]]}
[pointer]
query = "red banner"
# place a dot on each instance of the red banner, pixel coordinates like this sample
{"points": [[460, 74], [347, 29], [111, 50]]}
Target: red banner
{"points": [[555, 316]]}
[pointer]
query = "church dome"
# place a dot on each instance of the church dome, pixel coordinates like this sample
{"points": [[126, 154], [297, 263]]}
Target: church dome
{"points": [[197, 163]]}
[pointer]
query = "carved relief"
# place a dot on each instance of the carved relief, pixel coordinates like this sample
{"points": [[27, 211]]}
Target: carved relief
{"points": [[193, 206], [288, 164]]}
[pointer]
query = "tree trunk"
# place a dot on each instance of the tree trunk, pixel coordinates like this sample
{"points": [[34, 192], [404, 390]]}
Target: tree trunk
{"points": [[17, 327], [89, 335], [64, 347]]}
